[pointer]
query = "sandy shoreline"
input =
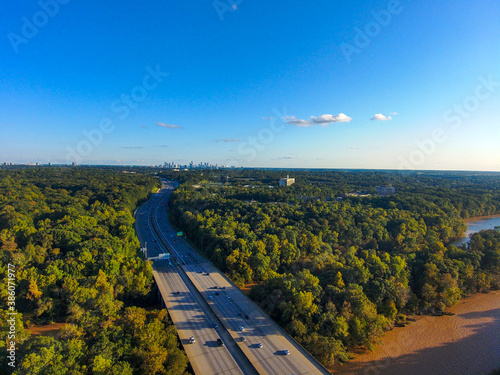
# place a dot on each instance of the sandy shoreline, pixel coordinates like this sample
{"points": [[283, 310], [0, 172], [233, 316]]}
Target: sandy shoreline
{"points": [[466, 343]]}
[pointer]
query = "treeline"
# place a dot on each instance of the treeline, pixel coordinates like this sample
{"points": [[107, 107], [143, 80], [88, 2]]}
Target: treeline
{"points": [[70, 234], [337, 272]]}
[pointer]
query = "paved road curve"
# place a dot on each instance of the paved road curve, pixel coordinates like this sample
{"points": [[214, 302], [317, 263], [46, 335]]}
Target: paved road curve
{"points": [[256, 334]]}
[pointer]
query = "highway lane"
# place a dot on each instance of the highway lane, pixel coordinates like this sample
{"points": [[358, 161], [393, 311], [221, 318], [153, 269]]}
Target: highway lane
{"points": [[237, 354], [259, 328], [269, 358], [205, 355]]}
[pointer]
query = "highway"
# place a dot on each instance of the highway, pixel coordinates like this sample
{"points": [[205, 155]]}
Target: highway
{"points": [[205, 355], [246, 326]]}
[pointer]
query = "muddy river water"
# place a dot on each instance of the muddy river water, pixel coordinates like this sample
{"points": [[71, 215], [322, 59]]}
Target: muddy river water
{"points": [[465, 343]]}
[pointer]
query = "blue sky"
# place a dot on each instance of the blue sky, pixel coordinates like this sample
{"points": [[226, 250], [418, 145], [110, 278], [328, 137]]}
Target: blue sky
{"points": [[252, 83]]}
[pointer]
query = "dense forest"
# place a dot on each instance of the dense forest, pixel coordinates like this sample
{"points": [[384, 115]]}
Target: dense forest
{"points": [[337, 270], [334, 270], [70, 234]]}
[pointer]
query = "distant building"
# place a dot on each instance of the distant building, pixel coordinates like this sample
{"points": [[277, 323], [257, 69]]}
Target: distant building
{"points": [[287, 181], [385, 190]]}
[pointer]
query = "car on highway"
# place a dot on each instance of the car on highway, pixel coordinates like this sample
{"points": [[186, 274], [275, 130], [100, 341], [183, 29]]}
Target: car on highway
{"points": [[286, 352], [241, 328], [228, 297], [211, 297], [219, 342], [192, 340], [259, 345], [217, 293], [215, 325]]}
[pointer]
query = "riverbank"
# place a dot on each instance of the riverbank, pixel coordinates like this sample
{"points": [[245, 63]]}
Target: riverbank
{"points": [[465, 343], [476, 224]]}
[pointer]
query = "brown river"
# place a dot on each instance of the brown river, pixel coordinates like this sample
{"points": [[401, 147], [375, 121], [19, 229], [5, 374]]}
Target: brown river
{"points": [[465, 343]]}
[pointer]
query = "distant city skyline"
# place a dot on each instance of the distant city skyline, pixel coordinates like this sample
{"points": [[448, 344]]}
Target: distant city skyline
{"points": [[330, 84]]}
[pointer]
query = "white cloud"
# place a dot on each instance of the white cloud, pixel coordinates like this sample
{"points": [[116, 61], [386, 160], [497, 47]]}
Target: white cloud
{"points": [[330, 119], [288, 157], [227, 140], [322, 120], [380, 117], [267, 118], [168, 126], [394, 113], [297, 122]]}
